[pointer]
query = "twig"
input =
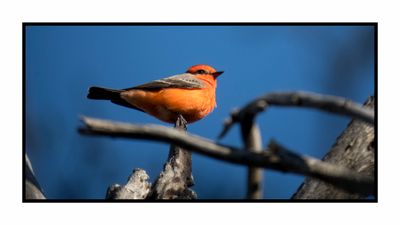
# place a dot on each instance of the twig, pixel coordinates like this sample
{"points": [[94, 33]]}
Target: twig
{"points": [[328, 103], [276, 157]]}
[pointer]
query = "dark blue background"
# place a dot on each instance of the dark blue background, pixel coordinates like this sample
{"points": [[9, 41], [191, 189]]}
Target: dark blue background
{"points": [[63, 61]]}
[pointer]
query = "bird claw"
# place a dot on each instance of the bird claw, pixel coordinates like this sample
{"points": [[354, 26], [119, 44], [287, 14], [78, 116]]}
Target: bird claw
{"points": [[181, 122]]}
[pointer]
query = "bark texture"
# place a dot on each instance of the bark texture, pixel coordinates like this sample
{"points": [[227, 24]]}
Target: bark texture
{"points": [[176, 178], [354, 149], [32, 187], [252, 139], [276, 157], [137, 187]]}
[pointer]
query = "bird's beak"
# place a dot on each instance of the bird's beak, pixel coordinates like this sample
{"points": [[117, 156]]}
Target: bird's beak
{"points": [[216, 74]]}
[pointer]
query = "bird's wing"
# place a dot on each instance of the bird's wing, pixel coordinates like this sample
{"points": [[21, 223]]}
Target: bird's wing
{"points": [[186, 80]]}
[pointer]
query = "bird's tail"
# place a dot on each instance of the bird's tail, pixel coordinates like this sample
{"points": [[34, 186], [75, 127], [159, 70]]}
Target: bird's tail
{"points": [[103, 93]]}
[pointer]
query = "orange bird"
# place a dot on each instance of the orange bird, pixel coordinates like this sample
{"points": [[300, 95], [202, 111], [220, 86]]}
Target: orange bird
{"points": [[191, 95]]}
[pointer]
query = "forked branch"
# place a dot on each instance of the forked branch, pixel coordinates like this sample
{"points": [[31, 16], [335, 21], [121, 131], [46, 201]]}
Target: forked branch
{"points": [[275, 157], [327, 103]]}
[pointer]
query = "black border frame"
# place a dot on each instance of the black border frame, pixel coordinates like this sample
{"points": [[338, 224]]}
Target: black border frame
{"points": [[26, 24]]}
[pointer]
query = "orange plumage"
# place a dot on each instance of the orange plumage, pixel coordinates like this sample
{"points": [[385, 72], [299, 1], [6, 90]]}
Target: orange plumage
{"points": [[191, 95]]}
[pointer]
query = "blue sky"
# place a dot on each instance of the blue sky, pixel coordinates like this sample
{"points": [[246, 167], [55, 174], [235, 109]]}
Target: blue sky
{"points": [[63, 61]]}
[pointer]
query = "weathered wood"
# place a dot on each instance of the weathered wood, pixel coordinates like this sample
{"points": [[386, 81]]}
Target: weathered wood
{"points": [[176, 178], [252, 139], [32, 187], [355, 149], [327, 103], [276, 158], [137, 187]]}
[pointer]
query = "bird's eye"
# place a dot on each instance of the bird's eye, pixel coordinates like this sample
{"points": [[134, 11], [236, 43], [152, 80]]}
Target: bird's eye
{"points": [[201, 72]]}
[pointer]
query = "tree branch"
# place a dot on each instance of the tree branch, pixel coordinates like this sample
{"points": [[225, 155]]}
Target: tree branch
{"points": [[354, 149], [327, 103], [277, 157], [252, 140]]}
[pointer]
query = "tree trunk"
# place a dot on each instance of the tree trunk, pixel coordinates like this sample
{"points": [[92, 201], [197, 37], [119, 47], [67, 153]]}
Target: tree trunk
{"points": [[354, 149]]}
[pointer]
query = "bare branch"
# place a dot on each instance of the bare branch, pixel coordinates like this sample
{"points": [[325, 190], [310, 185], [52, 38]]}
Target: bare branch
{"points": [[137, 187], [252, 140], [355, 149], [327, 103], [276, 157], [336, 175]]}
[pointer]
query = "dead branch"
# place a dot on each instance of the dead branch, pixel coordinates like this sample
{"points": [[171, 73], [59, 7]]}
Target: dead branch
{"points": [[137, 187], [354, 149], [172, 183], [176, 178], [252, 140], [327, 103], [277, 157]]}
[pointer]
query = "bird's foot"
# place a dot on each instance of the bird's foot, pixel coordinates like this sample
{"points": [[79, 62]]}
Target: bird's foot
{"points": [[181, 122]]}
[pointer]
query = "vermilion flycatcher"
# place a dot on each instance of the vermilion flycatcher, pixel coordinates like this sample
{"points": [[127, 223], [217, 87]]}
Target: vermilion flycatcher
{"points": [[191, 94]]}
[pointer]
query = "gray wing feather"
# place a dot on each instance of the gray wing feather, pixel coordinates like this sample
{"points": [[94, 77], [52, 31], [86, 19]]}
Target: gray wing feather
{"points": [[185, 80]]}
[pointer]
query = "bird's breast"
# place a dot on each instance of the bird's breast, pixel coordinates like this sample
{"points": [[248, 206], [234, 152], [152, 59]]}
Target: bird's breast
{"points": [[167, 104], [193, 105]]}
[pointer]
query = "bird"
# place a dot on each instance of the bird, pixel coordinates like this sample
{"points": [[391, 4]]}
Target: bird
{"points": [[190, 95]]}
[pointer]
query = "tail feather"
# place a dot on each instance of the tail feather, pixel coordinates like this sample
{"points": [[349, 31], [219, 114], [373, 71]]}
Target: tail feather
{"points": [[103, 93]]}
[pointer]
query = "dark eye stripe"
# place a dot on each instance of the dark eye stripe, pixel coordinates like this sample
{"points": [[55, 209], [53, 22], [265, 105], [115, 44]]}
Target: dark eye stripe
{"points": [[201, 72]]}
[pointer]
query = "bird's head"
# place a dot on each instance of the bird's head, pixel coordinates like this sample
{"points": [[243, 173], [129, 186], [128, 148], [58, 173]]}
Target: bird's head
{"points": [[203, 69]]}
